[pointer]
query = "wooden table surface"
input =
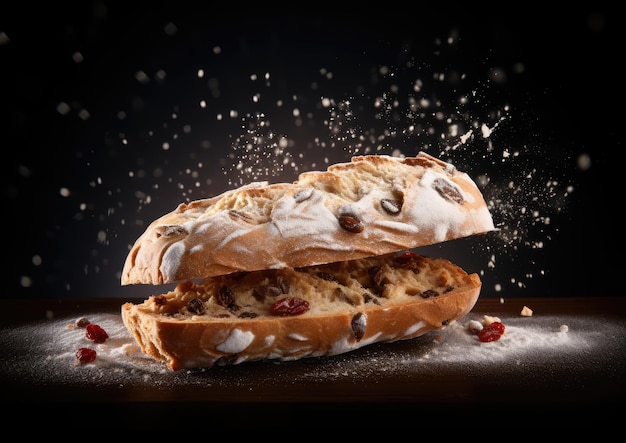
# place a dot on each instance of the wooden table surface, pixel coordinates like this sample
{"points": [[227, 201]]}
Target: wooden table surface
{"points": [[585, 388]]}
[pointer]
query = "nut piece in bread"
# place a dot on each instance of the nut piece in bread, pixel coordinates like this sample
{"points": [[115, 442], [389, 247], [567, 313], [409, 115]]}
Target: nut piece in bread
{"points": [[373, 205], [323, 310]]}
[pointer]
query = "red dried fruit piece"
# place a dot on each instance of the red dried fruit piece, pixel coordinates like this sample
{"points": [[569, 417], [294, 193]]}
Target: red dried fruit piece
{"points": [[497, 325], [290, 306], [86, 355], [492, 332], [96, 333]]}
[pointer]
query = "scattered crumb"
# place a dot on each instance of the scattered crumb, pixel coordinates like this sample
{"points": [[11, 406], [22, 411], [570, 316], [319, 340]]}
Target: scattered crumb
{"points": [[526, 312], [474, 326], [488, 319]]}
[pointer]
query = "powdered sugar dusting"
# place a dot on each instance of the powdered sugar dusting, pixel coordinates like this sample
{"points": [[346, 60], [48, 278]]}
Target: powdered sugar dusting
{"points": [[44, 352]]}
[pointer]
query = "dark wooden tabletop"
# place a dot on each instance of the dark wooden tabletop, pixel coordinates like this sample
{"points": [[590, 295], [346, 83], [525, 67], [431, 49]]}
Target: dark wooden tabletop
{"points": [[581, 384]]}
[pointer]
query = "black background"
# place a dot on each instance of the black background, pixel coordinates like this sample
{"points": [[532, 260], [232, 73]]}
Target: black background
{"points": [[566, 102]]}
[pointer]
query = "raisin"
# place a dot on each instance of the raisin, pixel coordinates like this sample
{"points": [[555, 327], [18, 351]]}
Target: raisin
{"points": [[369, 298], [196, 306], [263, 291], [95, 333], [351, 223], [390, 206], [429, 293], [248, 314], [225, 296], [290, 306], [283, 284], [447, 190], [85, 355], [358, 323], [376, 277], [303, 195], [409, 260], [327, 276]]}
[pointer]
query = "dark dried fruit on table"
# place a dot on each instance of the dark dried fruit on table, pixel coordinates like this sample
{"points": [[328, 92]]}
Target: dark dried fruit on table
{"points": [[96, 333], [82, 322], [86, 355]]}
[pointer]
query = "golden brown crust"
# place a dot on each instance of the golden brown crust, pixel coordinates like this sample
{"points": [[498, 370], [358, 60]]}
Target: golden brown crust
{"points": [[373, 205], [351, 305]]}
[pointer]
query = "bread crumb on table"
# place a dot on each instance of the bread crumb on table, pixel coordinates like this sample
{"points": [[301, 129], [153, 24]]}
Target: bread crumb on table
{"points": [[526, 312]]}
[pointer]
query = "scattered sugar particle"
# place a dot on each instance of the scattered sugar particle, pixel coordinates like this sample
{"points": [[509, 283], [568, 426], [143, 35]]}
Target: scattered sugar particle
{"points": [[564, 328], [501, 300], [26, 281], [63, 108], [142, 77], [526, 312], [170, 29], [583, 162]]}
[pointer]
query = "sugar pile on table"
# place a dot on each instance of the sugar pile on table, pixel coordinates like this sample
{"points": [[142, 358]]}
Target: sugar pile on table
{"points": [[44, 352]]}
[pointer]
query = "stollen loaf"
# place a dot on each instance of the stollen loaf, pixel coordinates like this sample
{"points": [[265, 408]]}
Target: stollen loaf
{"points": [[314, 268], [372, 205], [287, 314]]}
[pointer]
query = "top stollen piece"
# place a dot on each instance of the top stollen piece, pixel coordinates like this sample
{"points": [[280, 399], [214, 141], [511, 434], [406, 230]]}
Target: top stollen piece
{"points": [[373, 205]]}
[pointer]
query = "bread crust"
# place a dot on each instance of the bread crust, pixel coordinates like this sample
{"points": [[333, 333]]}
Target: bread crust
{"points": [[373, 205], [166, 330]]}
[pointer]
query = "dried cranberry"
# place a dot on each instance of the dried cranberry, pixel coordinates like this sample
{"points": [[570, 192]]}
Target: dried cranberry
{"points": [[491, 332], [497, 325], [96, 333], [86, 355], [290, 306]]}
